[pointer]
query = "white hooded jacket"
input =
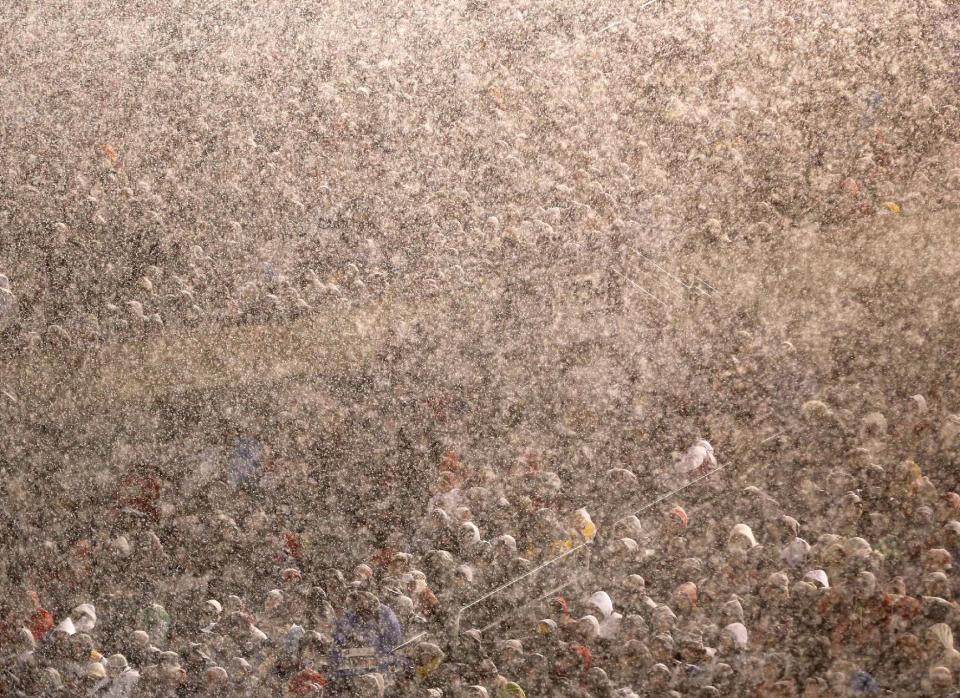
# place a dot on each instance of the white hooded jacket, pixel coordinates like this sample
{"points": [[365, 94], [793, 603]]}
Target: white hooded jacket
{"points": [[609, 620]]}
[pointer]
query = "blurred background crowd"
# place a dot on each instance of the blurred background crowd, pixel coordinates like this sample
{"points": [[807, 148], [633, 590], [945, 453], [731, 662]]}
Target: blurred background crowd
{"points": [[667, 290]]}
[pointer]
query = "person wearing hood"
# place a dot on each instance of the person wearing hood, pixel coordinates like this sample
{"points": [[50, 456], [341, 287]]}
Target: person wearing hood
{"points": [[587, 630], [769, 616], [273, 621], [122, 679], [84, 618], [601, 605], [795, 553], [366, 623], [468, 539], [510, 656], [732, 646], [940, 647], [698, 460], [675, 521], [427, 660], [155, 620], [634, 595], [658, 680], [581, 529], [209, 614], [741, 538]]}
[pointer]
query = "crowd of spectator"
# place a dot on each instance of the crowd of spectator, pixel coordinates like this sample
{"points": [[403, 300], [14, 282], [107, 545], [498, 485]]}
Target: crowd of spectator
{"points": [[527, 493]]}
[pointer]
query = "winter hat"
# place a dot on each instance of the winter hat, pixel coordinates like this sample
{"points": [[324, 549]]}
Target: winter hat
{"points": [[738, 631], [215, 676], [116, 663], [546, 626], [733, 609], [242, 666], [511, 690], [23, 641], [50, 678], [778, 580], [84, 617], [678, 515], [939, 559], [663, 616], [741, 538], [629, 526], [600, 600], [584, 524], [936, 608], [370, 685], [291, 575], [273, 600], [170, 658], [469, 533], [940, 677], [588, 627], [795, 552], [95, 671], [686, 592], [140, 638], [66, 627]]}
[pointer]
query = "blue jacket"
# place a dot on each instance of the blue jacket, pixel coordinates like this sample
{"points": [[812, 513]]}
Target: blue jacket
{"points": [[382, 633]]}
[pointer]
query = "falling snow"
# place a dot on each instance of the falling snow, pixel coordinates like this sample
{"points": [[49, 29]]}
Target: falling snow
{"points": [[479, 348]]}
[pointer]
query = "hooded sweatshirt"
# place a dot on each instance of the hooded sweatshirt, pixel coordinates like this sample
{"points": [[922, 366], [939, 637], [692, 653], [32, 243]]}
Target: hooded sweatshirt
{"points": [[609, 621], [944, 636]]}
